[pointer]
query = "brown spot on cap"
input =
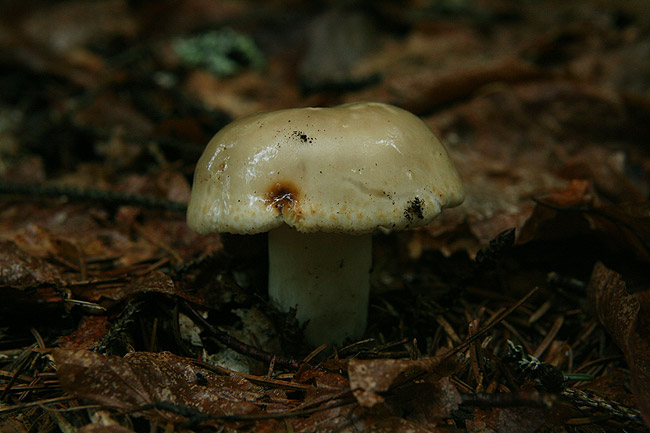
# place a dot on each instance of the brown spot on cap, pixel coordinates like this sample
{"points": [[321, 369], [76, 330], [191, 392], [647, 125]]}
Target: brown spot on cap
{"points": [[284, 196]]}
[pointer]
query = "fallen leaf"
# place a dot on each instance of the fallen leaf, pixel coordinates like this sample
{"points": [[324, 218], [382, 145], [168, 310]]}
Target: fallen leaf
{"points": [[623, 227], [509, 419], [421, 93], [89, 333], [628, 223], [21, 270], [142, 378], [627, 318], [369, 378], [154, 281], [609, 171]]}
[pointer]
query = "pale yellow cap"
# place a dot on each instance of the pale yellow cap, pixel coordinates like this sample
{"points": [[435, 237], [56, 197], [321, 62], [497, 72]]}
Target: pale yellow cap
{"points": [[351, 168]]}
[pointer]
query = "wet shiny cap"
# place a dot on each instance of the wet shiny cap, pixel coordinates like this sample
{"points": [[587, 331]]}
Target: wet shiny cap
{"points": [[350, 168]]}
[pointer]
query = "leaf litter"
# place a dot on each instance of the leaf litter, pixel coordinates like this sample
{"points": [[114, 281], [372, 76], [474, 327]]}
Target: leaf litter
{"points": [[545, 115]]}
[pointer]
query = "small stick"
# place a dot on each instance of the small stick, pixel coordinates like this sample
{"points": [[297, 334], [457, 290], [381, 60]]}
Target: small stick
{"points": [[104, 197]]}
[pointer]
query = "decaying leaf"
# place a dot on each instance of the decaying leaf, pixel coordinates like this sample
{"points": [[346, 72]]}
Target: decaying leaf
{"points": [[627, 318]]}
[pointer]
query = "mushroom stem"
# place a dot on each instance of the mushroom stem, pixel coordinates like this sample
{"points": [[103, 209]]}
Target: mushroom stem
{"points": [[326, 277]]}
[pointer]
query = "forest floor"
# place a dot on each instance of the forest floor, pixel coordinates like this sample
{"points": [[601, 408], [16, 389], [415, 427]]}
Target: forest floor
{"points": [[525, 309]]}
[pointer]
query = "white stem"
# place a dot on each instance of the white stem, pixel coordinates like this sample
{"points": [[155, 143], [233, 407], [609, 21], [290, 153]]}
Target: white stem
{"points": [[326, 277]]}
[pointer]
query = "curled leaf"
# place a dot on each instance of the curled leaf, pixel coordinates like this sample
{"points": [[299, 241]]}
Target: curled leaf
{"points": [[625, 316]]}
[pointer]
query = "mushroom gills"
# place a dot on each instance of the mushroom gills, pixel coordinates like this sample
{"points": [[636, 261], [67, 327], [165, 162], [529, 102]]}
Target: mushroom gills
{"points": [[325, 276]]}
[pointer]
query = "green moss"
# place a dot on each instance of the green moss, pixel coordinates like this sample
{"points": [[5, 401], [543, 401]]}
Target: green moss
{"points": [[224, 52]]}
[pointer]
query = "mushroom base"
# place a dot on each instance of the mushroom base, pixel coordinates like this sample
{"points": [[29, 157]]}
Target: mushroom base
{"points": [[326, 277]]}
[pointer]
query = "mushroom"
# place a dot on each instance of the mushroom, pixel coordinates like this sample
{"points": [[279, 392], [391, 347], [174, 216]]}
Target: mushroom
{"points": [[320, 180]]}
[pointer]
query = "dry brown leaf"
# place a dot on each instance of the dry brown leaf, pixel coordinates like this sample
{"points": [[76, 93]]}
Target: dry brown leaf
{"points": [[627, 318]]}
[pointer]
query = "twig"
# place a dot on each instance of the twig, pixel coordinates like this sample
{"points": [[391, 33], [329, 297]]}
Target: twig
{"points": [[108, 198], [260, 380], [611, 408], [475, 355]]}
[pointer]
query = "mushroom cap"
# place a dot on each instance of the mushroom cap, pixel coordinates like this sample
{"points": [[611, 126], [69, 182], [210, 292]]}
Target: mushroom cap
{"points": [[351, 168]]}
